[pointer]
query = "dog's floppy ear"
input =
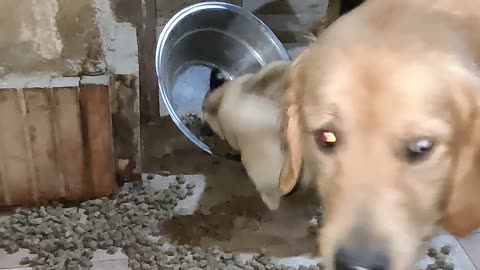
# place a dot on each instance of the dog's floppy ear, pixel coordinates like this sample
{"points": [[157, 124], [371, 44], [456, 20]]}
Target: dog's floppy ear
{"points": [[462, 209], [290, 131]]}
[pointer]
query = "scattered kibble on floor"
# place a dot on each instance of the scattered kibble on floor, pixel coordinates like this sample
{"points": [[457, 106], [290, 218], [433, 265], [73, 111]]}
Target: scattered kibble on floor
{"points": [[445, 250], [441, 259], [62, 237], [66, 237]]}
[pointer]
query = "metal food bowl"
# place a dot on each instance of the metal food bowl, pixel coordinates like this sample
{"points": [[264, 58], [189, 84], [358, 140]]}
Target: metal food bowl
{"points": [[205, 36]]}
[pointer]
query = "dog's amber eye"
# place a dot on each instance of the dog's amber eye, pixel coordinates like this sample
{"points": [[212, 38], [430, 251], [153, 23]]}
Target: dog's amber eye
{"points": [[419, 148], [325, 139]]}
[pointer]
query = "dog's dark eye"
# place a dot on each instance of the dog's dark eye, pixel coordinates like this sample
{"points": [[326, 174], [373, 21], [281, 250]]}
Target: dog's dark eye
{"points": [[418, 149], [326, 139]]}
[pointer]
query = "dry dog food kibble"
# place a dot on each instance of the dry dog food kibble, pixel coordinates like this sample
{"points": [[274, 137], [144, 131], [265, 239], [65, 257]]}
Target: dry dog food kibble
{"points": [[445, 250], [61, 237], [441, 259], [432, 253]]}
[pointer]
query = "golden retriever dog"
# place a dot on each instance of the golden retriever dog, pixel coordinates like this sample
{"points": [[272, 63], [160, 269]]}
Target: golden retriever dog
{"points": [[246, 113], [384, 111]]}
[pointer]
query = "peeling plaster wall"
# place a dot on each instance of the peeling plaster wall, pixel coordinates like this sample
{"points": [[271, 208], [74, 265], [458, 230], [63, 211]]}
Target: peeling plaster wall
{"points": [[44, 35], [65, 38], [49, 36]]}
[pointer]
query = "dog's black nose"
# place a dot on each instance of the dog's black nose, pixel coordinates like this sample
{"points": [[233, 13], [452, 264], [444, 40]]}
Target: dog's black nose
{"points": [[361, 258]]}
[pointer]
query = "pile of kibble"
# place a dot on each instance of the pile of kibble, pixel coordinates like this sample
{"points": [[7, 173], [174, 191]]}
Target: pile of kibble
{"points": [[64, 237], [440, 258]]}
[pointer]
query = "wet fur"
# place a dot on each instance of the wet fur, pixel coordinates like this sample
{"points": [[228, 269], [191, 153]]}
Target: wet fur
{"points": [[246, 113], [384, 73]]}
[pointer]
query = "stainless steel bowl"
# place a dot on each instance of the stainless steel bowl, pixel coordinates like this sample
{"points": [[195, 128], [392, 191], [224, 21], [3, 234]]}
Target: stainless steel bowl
{"points": [[204, 36]]}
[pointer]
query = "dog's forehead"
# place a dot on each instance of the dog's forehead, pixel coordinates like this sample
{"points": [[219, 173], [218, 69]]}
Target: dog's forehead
{"points": [[409, 91]]}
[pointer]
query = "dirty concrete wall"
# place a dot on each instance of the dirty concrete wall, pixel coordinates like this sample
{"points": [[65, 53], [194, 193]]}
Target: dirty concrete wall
{"points": [[66, 38], [54, 36]]}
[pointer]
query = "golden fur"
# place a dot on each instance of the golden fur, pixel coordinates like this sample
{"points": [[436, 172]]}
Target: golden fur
{"points": [[246, 113], [386, 73]]}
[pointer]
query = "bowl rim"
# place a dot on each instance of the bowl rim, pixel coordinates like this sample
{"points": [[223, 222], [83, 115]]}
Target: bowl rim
{"points": [[163, 38]]}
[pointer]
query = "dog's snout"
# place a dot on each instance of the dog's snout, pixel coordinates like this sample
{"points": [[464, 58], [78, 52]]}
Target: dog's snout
{"points": [[360, 258]]}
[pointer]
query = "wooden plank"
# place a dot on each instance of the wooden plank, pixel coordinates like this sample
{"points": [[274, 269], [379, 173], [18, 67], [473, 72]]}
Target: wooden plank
{"points": [[16, 182], [42, 137], [148, 78], [70, 141], [96, 124]]}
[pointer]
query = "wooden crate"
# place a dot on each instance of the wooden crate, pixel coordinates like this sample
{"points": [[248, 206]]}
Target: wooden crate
{"points": [[55, 143]]}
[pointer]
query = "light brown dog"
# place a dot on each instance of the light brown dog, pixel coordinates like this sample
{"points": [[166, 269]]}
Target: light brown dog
{"points": [[384, 110], [246, 113]]}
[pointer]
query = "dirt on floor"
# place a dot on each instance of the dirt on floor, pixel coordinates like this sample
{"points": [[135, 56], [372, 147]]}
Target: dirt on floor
{"points": [[230, 215]]}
